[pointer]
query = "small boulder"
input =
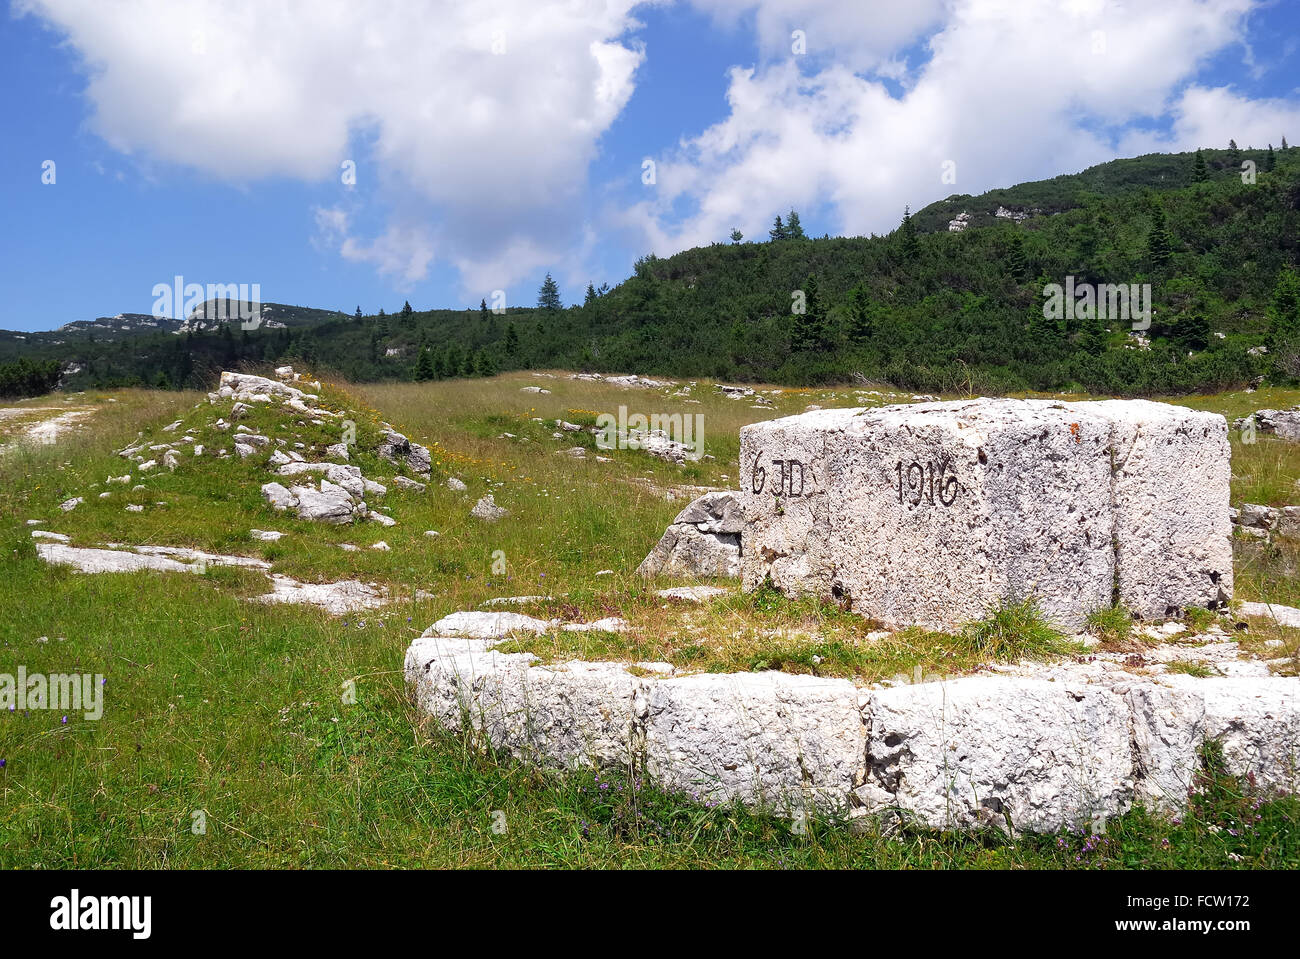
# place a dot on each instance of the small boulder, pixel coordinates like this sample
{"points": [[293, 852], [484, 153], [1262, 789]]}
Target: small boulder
{"points": [[487, 509]]}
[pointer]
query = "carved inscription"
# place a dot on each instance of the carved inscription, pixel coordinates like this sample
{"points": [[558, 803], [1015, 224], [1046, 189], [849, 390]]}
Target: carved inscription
{"points": [[928, 483], [789, 477]]}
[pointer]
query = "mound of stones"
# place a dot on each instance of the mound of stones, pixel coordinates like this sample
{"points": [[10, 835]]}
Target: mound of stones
{"points": [[1263, 522], [1282, 423], [931, 514], [703, 541], [1035, 752]]}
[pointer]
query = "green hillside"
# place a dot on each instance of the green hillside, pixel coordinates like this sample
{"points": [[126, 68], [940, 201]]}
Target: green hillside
{"points": [[922, 308]]}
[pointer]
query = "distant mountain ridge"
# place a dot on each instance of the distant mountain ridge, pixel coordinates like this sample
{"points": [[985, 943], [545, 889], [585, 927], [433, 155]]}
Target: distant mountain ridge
{"points": [[951, 300]]}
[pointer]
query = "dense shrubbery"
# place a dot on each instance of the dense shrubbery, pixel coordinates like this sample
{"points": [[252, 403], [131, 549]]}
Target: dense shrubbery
{"points": [[27, 378]]}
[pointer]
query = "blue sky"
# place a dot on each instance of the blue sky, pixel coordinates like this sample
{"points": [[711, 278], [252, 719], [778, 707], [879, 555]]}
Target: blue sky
{"points": [[497, 140]]}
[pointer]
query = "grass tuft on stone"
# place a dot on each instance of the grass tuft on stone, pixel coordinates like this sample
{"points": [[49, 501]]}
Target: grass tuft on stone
{"points": [[1016, 628]]}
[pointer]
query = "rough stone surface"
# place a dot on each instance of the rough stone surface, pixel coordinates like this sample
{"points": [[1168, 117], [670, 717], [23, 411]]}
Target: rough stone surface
{"points": [[979, 750], [787, 742], [1283, 615], [1032, 747], [1173, 532], [159, 559], [931, 514], [398, 449], [1256, 722], [330, 503], [704, 540], [346, 596], [487, 509], [1282, 423], [691, 594]]}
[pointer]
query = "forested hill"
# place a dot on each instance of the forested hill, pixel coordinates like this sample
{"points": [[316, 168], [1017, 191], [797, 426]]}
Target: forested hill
{"points": [[951, 300]]}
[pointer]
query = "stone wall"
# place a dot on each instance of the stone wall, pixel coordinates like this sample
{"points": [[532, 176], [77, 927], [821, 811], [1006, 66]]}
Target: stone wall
{"points": [[1032, 754]]}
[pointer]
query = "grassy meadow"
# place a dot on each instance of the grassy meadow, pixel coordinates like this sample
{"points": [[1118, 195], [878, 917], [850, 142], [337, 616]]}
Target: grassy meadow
{"points": [[227, 740]]}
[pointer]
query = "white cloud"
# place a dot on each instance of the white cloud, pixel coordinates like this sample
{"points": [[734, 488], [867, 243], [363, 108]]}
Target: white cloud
{"points": [[481, 118], [1012, 90], [1210, 117], [862, 36]]}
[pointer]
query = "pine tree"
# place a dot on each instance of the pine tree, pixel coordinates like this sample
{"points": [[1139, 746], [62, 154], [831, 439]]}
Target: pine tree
{"points": [[861, 325], [424, 370], [1234, 154], [778, 231], [408, 315], [1284, 307], [1160, 243], [358, 311], [484, 313], [1284, 146], [911, 245], [591, 295], [736, 235], [1199, 173], [1017, 262], [793, 229], [809, 331], [1270, 161], [1192, 332], [512, 340], [548, 297]]}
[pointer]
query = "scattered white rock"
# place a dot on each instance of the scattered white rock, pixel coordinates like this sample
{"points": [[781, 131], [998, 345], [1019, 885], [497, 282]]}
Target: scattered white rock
{"points": [[691, 594], [704, 540], [346, 596], [486, 509]]}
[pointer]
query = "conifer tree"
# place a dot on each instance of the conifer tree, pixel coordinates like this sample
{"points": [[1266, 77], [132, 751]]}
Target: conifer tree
{"points": [[1160, 242], [548, 296], [911, 245]]}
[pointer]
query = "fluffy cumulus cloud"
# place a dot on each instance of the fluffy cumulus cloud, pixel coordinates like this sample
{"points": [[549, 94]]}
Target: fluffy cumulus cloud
{"points": [[478, 120], [1006, 90], [476, 124]]}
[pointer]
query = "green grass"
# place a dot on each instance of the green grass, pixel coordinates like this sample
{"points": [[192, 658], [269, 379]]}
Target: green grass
{"points": [[1192, 667], [1112, 626], [235, 709]]}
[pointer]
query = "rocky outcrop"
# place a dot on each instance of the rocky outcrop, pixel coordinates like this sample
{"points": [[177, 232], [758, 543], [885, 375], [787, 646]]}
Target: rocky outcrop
{"points": [[1282, 423], [703, 541], [487, 510], [396, 448], [327, 503]]}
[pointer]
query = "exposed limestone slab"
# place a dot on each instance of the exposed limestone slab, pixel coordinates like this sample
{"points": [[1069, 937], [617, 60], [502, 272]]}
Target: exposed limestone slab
{"points": [[1255, 721], [691, 594], [157, 558], [1282, 615], [979, 750], [791, 743], [346, 596], [485, 625]]}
